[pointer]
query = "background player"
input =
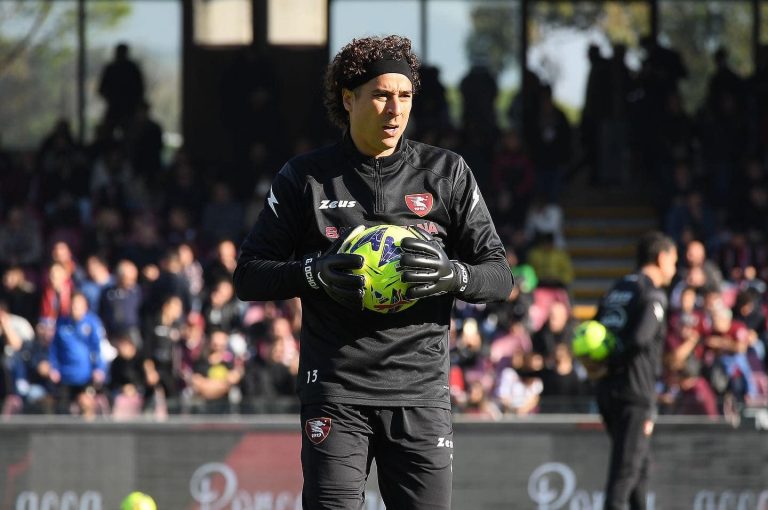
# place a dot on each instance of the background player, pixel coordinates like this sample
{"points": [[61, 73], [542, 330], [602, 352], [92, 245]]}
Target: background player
{"points": [[635, 311]]}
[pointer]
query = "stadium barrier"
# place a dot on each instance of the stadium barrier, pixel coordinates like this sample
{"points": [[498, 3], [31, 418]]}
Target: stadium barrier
{"points": [[545, 463]]}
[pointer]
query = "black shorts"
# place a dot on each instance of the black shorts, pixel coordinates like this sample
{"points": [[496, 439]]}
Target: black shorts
{"points": [[413, 448]]}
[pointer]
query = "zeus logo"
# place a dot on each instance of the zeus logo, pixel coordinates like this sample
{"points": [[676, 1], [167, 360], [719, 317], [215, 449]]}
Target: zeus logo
{"points": [[333, 204]]}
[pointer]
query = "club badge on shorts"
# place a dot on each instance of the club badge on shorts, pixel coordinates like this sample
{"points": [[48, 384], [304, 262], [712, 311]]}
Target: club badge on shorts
{"points": [[419, 203], [317, 429]]}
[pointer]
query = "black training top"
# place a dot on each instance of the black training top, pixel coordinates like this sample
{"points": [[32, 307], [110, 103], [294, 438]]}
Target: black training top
{"points": [[635, 311], [368, 358]]}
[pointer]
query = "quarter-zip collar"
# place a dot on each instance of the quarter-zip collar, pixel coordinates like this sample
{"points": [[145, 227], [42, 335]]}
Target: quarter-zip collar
{"points": [[368, 164]]}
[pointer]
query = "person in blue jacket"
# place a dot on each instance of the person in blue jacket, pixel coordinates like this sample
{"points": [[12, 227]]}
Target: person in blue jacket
{"points": [[76, 365]]}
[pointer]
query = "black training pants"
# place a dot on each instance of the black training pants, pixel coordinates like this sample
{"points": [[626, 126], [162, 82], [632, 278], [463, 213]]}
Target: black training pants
{"points": [[413, 448], [628, 428]]}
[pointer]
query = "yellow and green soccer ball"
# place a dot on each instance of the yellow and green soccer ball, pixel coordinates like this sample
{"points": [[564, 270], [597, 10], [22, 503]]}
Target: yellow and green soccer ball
{"points": [[138, 501], [380, 248], [593, 340]]}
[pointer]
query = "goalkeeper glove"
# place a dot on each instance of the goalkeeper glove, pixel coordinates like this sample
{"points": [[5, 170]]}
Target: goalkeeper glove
{"points": [[426, 266], [329, 271]]}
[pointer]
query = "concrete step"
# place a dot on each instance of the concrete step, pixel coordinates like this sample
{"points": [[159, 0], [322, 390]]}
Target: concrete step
{"points": [[606, 228], [613, 262], [612, 272], [599, 242], [604, 212], [602, 250]]}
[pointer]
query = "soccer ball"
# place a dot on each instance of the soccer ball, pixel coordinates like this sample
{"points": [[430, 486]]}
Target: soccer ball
{"points": [[593, 340], [138, 501], [380, 248]]}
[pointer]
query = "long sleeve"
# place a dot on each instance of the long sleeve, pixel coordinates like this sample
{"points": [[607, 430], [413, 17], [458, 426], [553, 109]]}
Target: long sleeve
{"points": [[477, 244], [265, 269], [94, 344]]}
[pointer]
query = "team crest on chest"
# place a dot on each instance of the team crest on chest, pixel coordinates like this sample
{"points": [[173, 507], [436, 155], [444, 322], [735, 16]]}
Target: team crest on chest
{"points": [[419, 203], [317, 429]]}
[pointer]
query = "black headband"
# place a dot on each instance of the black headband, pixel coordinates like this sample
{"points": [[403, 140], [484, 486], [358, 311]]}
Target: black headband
{"points": [[379, 67]]}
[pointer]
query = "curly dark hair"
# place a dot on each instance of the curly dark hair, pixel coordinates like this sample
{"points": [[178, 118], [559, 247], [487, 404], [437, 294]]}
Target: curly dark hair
{"points": [[350, 62]]}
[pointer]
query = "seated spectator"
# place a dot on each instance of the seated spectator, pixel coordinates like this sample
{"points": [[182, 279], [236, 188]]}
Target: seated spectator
{"points": [[192, 272], [162, 351], [558, 329], [738, 254], [479, 403], [97, 278], [20, 294], [127, 378], [752, 281], [15, 331], [32, 387], [167, 280], [222, 266], [77, 368], [57, 294], [61, 253], [562, 385], [727, 343], [517, 340], [120, 303], [517, 389], [216, 373], [747, 310], [517, 306], [683, 360], [271, 379], [695, 278], [466, 351], [553, 265], [222, 309], [696, 258]]}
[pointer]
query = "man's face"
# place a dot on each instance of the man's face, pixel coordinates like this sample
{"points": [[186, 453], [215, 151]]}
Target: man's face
{"points": [[378, 113], [79, 307], [668, 265]]}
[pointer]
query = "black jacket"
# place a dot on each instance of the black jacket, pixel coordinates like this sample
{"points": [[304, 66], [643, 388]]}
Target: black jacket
{"points": [[367, 358], [635, 311]]}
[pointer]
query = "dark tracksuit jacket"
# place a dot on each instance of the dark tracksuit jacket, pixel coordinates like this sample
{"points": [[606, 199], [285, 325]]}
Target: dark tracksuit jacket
{"points": [[367, 358], [635, 311]]}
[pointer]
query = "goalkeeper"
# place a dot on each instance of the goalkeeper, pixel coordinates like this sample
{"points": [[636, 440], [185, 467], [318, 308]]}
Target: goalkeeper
{"points": [[634, 309], [374, 385]]}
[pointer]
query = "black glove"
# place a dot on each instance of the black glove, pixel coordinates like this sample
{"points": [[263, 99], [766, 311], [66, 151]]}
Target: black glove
{"points": [[425, 264], [330, 271]]}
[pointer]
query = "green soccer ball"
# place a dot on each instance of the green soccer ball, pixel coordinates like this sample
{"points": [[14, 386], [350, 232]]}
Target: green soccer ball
{"points": [[593, 340], [138, 501], [380, 248]]}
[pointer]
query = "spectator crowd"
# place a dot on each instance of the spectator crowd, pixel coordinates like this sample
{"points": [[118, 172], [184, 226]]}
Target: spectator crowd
{"points": [[117, 297]]}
